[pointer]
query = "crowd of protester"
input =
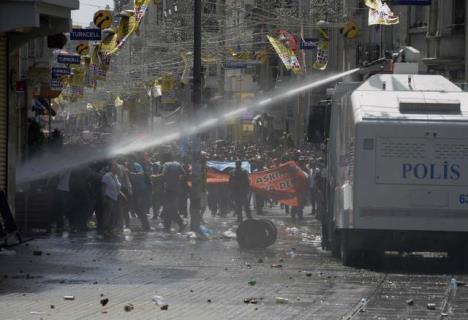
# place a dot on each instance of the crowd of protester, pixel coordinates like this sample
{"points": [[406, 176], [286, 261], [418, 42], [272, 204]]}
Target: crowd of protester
{"points": [[155, 184]]}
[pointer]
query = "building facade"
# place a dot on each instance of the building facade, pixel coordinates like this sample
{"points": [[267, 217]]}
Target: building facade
{"points": [[24, 57]]}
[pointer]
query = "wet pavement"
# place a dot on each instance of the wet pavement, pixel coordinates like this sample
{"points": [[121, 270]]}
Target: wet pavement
{"points": [[209, 279]]}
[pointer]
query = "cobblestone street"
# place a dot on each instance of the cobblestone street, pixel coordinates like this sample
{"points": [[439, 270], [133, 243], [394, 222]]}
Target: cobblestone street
{"points": [[207, 279]]}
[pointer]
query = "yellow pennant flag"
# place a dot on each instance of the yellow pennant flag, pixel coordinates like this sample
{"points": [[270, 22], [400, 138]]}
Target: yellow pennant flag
{"points": [[380, 13], [321, 62], [286, 55]]}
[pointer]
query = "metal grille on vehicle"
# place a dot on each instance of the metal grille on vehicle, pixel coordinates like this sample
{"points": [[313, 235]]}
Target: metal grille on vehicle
{"points": [[454, 151], [397, 149]]}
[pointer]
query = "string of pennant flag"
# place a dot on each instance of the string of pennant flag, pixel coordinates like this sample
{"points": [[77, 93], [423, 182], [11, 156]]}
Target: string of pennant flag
{"points": [[91, 63]]}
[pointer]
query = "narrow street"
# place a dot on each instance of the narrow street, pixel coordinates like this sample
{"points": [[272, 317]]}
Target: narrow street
{"points": [[210, 279]]}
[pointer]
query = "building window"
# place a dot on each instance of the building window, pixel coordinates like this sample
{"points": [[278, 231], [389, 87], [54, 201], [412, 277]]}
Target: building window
{"points": [[458, 20], [212, 70], [210, 7], [418, 16], [31, 48]]}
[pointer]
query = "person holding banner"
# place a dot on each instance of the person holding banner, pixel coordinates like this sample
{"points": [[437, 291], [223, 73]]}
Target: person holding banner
{"points": [[239, 183], [300, 184]]}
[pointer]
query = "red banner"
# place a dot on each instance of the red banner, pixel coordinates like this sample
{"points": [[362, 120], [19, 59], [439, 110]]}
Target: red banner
{"points": [[216, 177], [286, 183]]}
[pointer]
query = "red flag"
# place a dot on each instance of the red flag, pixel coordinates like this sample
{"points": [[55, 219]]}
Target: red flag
{"points": [[286, 183], [216, 177]]}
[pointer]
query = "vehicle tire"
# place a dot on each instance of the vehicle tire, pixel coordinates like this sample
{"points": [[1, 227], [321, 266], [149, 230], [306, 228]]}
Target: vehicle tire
{"points": [[253, 234], [458, 258], [247, 235], [335, 248], [348, 256], [372, 258], [272, 232]]}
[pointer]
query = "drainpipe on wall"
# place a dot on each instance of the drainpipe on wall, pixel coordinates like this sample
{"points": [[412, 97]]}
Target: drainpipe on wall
{"points": [[433, 31]]}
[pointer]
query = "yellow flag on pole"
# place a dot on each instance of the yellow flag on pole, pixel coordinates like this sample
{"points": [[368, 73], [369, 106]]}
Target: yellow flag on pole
{"points": [[286, 55]]}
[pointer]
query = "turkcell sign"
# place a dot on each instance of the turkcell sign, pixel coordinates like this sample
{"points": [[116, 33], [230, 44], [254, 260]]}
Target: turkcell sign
{"points": [[309, 43], [412, 2], [58, 72], [68, 59], [445, 171], [85, 34]]}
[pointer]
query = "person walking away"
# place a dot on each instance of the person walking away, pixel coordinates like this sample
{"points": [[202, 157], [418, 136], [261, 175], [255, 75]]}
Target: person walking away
{"points": [[239, 184], [62, 200], [81, 202], [110, 196], [140, 189], [157, 190], [125, 194], [172, 173]]}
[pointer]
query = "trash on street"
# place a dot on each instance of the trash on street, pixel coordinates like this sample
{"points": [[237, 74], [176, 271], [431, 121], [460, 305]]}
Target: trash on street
{"points": [[281, 300], [129, 307]]}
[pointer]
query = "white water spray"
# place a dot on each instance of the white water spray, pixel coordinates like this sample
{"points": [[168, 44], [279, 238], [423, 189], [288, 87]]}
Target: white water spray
{"points": [[51, 164]]}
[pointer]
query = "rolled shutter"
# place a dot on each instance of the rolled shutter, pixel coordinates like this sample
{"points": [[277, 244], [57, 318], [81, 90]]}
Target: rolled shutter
{"points": [[3, 111]]}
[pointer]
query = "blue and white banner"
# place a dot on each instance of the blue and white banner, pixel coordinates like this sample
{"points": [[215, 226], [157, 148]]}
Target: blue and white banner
{"points": [[227, 166]]}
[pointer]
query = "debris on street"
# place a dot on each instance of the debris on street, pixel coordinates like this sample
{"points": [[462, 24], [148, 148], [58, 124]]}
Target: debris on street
{"points": [[281, 300], [229, 234], [158, 300], [5, 252], [104, 301], [250, 300], [129, 307]]}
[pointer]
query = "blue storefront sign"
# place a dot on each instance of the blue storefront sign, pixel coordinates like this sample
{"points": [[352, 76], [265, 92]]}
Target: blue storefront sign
{"points": [[60, 71], [412, 2], [56, 84], [85, 34], [309, 43], [68, 59]]}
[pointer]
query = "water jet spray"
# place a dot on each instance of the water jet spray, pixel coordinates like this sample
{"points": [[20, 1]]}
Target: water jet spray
{"points": [[51, 164]]}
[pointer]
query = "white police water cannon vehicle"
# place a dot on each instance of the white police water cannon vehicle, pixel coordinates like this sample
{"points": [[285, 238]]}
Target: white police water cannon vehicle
{"points": [[397, 166]]}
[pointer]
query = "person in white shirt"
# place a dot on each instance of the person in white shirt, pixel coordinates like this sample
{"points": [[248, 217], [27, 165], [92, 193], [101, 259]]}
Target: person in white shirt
{"points": [[110, 193], [61, 203]]}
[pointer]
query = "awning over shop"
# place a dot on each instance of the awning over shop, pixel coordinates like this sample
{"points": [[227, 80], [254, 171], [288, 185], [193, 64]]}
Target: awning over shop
{"points": [[35, 18]]}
